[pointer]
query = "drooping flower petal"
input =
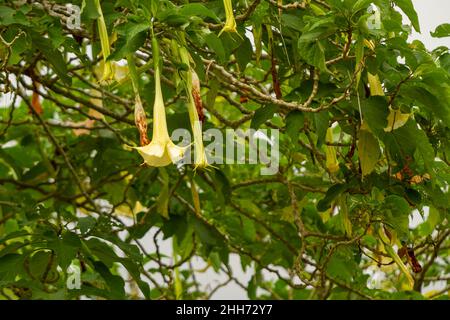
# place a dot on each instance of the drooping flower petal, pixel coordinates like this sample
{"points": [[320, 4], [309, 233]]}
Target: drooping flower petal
{"points": [[230, 22], [155, 154]]}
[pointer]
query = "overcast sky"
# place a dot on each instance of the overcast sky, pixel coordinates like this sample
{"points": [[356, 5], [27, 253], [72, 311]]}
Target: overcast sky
{"points": [[432, 13]]}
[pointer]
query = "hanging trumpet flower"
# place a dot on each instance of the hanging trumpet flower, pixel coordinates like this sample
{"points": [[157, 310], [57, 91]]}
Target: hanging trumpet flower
{"points": [[230, 23], [161, 151], [108, 68], [194, 105]]}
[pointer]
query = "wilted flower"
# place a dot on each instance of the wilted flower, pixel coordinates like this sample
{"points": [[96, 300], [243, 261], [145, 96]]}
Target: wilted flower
{"points": [[197, 118], [140, 120], [195, 110]]}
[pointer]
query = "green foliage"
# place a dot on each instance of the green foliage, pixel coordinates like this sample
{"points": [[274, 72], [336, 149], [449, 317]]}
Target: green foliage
{"points": [[74, 194]]}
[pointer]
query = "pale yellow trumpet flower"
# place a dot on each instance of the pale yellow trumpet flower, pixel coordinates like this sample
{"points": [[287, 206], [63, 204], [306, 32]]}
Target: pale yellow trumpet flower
{"points": [[230, 23], [161, 151]]}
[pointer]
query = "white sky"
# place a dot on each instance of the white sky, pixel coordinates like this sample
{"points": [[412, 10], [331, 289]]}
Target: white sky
{"points": [[432, 13]]}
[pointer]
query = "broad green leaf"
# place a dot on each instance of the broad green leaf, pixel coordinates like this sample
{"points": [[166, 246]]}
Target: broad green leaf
{"points": [[428, 100], [215, 44], [408, 8], [294, 123], [132, 38], [262, 115], [396, 210], [321, 122], [197, 9], [115, 283], [332, 193], [313, 53], [441, 31], [375, 112], [368, 151], [243, 54], [53, 56]]}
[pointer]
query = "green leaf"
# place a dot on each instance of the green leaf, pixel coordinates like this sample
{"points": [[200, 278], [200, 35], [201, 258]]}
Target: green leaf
{"points": [[330, 196], [295, 121], [89, 10], [208, 234], [215, 44], [343, 215], [249, 230], [67, 249], [434, 218], [292, 21], [86, 223], [244, 54], [408, 8], [262, 115], [197, 9], [410, 141], [10, 262], [396, 210], [361, 4], [52, 55], [115, 283], [10, 16], [369, 240], [425, 98], [132, 38], [375, 112], [341, 265], [368, 150], [321, 121], [212, 93], [223, 186], [39, 262], [313, 53], [441, 31], [101, 250]]}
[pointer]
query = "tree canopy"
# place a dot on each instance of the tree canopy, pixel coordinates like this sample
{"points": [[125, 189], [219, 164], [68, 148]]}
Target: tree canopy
{"points": [[357, 209]]}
